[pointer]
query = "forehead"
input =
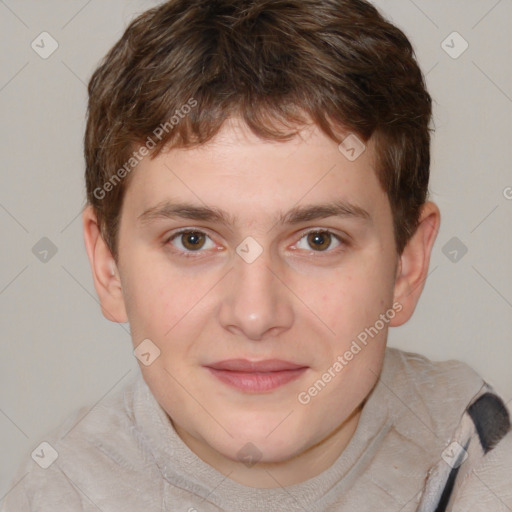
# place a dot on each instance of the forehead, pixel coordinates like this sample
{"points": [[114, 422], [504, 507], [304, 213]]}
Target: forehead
{"points": [[238, 175]]}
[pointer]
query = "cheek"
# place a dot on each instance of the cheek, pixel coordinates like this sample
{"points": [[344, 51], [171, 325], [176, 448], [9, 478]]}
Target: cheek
{"points": [[152, 299], [161, 301], [355, 294], [350, 304]]}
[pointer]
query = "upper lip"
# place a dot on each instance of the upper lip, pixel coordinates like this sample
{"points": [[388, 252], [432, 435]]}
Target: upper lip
{"points": [[244, 365]]}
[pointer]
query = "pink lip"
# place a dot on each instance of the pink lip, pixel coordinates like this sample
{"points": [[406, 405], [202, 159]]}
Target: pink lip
{"points": [[256, 376], [244, 365]]}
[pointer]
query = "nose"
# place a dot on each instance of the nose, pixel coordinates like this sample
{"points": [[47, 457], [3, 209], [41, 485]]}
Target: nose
{"points": [[256, 303]]}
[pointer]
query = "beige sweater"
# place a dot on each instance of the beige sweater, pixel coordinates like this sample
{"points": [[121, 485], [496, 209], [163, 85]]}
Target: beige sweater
{"points": [[125, 456]]}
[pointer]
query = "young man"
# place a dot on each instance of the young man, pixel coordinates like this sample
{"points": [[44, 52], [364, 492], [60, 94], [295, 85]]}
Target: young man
{"points": [[257, 177]]}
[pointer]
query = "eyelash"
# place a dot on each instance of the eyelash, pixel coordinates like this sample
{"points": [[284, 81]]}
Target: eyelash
{"points": [[194, 254]]}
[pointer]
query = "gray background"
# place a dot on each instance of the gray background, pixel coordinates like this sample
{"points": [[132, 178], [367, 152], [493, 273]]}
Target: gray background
{"points": [[59, 353]]}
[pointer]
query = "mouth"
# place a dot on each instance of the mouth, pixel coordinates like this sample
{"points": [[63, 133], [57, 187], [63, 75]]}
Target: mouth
{"points": [[256, 376]]}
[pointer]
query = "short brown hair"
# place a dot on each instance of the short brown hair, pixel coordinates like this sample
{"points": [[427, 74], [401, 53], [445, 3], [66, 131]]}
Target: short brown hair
{"points": [[278, 65]]}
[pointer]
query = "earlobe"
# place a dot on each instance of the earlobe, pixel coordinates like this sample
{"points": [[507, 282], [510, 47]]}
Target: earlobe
{"points": [[104, 269], [414, 262]]}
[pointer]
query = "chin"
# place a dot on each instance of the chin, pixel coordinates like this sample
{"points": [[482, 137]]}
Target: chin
{"points": [[264, 445], [261, 452]]}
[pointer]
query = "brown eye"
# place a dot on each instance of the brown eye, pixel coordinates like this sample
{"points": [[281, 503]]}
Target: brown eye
{"points": [[188, 241], [319, 240], [192, 240]]}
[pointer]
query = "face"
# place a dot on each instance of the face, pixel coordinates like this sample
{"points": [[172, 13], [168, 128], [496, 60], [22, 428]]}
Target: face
{"points": [[244, 249]]}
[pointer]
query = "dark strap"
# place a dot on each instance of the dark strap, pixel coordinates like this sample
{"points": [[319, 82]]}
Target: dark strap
{"points": [[492, 423], [447, 491]]}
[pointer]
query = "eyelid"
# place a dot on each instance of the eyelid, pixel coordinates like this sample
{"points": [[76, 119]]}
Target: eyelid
{"points": [[320, 229]]}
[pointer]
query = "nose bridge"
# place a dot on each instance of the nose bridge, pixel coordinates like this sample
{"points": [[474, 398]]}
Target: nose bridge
{"points": [[256, 275], [255, 302]]}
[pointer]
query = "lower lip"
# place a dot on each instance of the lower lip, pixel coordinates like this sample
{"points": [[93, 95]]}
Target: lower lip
{"points": [[257, 382]]}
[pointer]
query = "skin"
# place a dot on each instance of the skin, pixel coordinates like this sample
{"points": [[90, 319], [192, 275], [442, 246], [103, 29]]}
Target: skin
{"points": [[295, 302]]}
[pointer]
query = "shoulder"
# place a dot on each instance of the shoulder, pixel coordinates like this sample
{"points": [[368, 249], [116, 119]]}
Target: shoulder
{"points": [[488, 486], [97, 446], [472, 429], [417, 368], [436, 392], [35, 489]]}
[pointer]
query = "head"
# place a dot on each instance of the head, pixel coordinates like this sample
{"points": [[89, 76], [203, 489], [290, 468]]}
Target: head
{"points": [[257, 178]]}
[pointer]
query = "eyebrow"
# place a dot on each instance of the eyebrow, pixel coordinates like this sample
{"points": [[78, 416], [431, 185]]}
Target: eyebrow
{"points": [[297, 215]]}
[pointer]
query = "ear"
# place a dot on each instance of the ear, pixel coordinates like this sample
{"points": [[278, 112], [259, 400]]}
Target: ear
{"points": [[104, 269], [414, 261]]}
